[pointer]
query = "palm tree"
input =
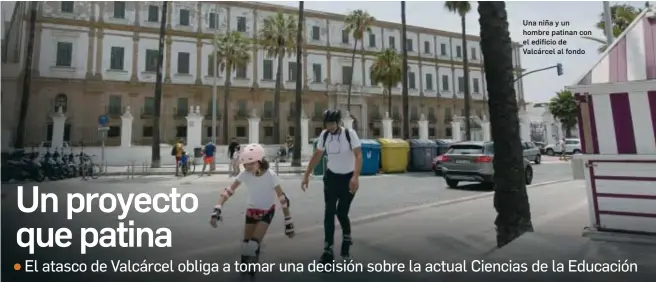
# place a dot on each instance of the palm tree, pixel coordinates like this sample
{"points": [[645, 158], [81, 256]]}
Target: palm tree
{"points": [[563, 108], [19, 141], [155, 146], [387, 70], [510, 197], [357, 22], [622, 15], [462, 8], [296, 160], [404, 64], [278, 39], [232, 50]]}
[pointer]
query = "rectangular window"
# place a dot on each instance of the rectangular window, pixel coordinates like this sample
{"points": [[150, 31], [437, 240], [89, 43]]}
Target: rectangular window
{"points": [[115, 105], [268, 109], [240, 72], [64, 54], [291, 66], [242, 110], [153, 13], [427, 47], [267, 73], [241, 24], [392, 42], [116, 58], [476, 87], [214, 18], [345, 36], [448, 116], [182, 107], [67, 6], [347, 75], [184, 17], [431, 114], [473, 53], [292, 109], [149, 105], [151, 60], [411, 80], [461, 84], [211, 66], [442, 49], [445, 83], [119, 10], [458, 52], [408, 44], [240, 131], [372, 40], [414, 113], [316, 70], [429, 81], [183, 63], [316, 33]]}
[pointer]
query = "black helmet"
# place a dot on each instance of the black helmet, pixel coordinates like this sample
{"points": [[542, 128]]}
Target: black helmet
{"points": [[332, 115]]}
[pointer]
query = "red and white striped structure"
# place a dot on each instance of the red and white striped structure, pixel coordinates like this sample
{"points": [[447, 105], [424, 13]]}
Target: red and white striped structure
{"points": [[617, 124]]}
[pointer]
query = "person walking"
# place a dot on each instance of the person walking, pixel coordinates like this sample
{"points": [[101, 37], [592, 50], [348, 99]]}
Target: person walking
{"points": [[231, 151], [340, 180], [208, 158], [177, 151]]}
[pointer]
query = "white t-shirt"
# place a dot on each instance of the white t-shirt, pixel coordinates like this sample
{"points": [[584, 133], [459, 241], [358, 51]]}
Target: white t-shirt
{"points": [[340, 155], [261, 188]]}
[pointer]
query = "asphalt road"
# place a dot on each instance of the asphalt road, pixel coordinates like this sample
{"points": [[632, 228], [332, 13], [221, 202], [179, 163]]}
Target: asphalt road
{"points": [[384, 201]]}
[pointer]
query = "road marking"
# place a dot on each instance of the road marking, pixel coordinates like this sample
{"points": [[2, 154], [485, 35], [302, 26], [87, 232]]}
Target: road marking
{"points": [[366, 218]]}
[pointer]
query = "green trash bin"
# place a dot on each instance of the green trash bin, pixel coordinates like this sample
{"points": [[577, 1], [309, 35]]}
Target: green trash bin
{"points": [[321, 166]]}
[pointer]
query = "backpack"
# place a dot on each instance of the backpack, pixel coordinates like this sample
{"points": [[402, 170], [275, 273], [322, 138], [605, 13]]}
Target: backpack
{"points": [[174, 150], [346, 132]]}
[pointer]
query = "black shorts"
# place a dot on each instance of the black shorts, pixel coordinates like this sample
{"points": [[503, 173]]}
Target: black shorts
{"points": [[266, 218]]}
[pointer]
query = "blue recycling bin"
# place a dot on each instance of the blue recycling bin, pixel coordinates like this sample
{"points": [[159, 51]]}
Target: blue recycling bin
{"points": [[370, 157]]}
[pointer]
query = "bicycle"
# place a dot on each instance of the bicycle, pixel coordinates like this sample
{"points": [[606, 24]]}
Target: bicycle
{"points": [[187, 165], [88, 168]]}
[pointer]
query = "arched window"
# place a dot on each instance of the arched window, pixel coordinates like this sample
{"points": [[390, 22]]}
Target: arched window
{"points": [[61, 101]]}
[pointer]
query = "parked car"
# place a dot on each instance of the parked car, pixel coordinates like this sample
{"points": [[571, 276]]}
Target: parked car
{"points": [[472, 161], [532, 152], [572, 146], [541, 146]]}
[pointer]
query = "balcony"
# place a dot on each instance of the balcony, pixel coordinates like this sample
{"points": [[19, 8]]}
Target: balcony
{"points": [[114, 110], [208, 114], [181, 112], [147, 112], [432, 117], [241, 114], [414, 117]]}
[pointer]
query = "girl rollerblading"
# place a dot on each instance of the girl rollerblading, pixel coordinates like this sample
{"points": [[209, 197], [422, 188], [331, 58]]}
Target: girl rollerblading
{"points": [[264, 187]]}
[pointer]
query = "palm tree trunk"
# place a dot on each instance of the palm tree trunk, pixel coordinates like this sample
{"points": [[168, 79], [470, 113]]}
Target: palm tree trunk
{"points": [[276, 100], [19, 141], [404, 43], [510, 198], [296, 160], [155, 146], [389, 100], [348, 102], [465, 66], [226, 102]]}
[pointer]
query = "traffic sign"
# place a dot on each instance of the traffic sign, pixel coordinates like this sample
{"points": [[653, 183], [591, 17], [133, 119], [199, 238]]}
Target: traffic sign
{"points": [[103, 120]]}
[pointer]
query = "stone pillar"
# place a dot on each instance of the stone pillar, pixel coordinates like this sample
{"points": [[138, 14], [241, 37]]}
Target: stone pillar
{"points": [[126, 128], [387, 126], [194, 127], [254, 128], [348, 120], [423, 127], [485, 127], [58, 125], [305, 134], [456, 133], [524, 127]]}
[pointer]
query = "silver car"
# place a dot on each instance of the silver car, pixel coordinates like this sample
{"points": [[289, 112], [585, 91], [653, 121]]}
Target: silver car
{"points": [[532, 152], [472, 162]]}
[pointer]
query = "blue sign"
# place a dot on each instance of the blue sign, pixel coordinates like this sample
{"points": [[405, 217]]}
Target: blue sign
{"points": [[103, 120]]}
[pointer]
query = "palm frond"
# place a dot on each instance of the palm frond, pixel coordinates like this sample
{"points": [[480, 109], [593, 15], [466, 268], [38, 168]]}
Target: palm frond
{"points": [[233, 49], [278, 35]]}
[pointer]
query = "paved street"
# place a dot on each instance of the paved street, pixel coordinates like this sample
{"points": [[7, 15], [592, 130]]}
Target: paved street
{"points": [[393, 207]]}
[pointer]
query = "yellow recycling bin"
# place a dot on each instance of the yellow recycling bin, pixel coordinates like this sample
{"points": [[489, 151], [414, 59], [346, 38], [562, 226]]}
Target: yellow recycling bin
{"points": [[393, 155]]}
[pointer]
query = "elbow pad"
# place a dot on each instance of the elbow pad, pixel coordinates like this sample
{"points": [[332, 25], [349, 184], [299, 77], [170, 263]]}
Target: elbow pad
{"points": [[284, 201], [227, 193]]}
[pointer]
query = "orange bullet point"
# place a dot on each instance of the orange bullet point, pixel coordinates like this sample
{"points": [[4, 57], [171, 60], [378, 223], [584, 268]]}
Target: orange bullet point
{"points": [[17, 267]]}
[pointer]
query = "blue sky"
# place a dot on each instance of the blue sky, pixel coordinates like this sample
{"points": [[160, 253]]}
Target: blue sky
{"points": [[538, 86]]}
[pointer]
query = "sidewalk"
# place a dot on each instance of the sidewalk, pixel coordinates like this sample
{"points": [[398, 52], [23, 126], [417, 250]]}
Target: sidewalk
{"points": [[283, 168]]}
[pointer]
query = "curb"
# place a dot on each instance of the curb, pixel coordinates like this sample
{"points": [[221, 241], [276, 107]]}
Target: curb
{"points": [[125, 173], [374, 217]]}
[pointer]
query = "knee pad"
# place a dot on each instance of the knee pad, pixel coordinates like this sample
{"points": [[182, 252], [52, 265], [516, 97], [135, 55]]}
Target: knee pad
{"points": [[250, 248]]}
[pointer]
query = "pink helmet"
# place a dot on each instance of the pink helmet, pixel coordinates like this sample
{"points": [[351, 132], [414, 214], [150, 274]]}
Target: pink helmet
{"points": [[251, 153]]}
